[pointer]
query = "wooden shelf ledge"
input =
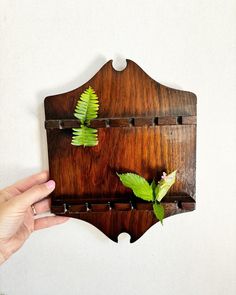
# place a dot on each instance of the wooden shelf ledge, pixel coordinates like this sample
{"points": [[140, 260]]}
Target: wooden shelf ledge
{"points": [[123, 122], [74, 206]]}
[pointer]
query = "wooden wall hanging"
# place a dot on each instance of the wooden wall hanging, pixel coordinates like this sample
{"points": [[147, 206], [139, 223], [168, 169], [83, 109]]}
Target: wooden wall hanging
{"points": [[145, 128]]}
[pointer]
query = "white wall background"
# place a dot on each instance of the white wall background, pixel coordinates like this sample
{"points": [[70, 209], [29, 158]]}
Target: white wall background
{"points": [[48, 47]]}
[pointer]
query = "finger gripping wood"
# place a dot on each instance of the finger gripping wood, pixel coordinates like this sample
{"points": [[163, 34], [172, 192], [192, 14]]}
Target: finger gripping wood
{"points": [[143, 127]]}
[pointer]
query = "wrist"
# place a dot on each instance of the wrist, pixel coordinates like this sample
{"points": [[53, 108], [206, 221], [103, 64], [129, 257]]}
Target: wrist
{"points": [[4, 252], [2, 258]]}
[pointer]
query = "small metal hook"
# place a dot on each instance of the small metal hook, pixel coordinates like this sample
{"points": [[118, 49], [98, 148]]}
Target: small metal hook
{"points": [[65, 208], [109, 204], [61, 124], [131, 205], [107, 123], [131, 122], [87, 206]]}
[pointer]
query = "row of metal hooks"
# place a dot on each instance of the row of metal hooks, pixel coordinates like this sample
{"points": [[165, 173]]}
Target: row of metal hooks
{"points": [[123, 122], [105, 207]]}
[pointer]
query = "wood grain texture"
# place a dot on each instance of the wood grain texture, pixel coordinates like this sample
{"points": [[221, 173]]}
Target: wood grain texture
{"points": [[87, 186]]}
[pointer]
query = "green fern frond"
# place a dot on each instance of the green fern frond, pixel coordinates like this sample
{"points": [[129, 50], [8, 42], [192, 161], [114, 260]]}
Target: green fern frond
{"points": [[86, 110], [84, 136], [87, 107]]}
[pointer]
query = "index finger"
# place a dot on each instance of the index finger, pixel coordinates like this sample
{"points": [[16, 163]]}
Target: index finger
{"points": [[23, 185]]}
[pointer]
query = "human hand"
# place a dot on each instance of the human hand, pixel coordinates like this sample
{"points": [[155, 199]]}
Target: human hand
{"points": [[17, 220]]}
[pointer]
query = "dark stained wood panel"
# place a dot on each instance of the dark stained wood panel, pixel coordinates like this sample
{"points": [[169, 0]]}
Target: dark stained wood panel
{"points": [[143, 127]]}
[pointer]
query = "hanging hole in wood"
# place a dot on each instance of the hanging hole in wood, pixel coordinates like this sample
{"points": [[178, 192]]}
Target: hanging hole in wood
{"points": [[119, 64]]}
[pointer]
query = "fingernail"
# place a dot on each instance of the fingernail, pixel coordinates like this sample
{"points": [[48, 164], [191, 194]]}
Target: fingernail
{"points": [[50, 184]]}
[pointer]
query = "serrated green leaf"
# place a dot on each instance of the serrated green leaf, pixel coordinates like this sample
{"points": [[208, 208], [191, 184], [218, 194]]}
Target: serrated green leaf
{"points": [[138, 184], [153, 185], [159, 211], [164, 185]]}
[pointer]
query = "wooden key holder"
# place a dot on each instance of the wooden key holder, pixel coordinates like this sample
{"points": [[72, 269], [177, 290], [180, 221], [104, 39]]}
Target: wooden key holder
{"points": [[143, 127]]}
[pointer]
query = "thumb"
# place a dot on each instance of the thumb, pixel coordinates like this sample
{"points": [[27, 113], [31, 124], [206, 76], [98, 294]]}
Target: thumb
{"points": [[34, 194]]}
